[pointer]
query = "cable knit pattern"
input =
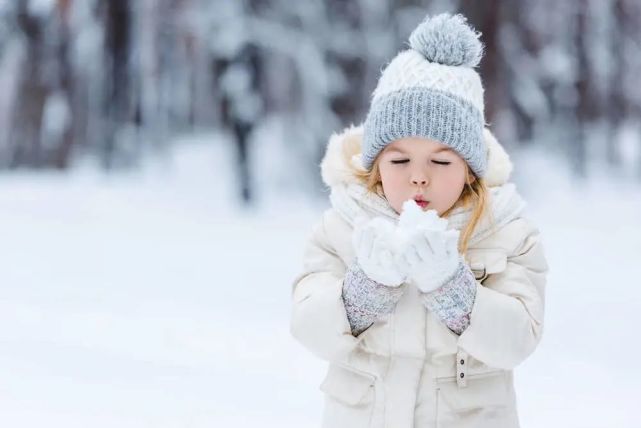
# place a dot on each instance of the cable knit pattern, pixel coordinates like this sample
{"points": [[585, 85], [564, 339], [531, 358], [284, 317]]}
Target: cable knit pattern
{"points": [[452, 303], [410, 70], [366, 300], [429, 113]]}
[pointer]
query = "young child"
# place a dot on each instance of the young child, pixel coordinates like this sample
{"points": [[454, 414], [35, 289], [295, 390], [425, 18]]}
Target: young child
{"points": [[423, 284]]}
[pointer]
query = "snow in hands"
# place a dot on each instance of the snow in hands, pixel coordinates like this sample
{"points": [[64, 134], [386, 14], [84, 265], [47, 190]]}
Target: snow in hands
{"points": [[419, 249]]}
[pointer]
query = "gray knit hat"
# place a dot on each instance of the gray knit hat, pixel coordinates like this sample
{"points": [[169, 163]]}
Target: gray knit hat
{"points": [[432, 91]]}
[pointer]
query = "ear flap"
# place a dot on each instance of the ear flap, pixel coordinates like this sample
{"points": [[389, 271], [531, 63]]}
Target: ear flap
{"points": [[499, 166]]}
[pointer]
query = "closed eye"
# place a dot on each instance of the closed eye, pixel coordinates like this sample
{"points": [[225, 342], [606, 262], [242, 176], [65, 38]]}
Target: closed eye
{"points": [[400, 161]]}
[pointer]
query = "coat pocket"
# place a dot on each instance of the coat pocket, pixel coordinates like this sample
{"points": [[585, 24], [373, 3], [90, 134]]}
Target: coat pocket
{"points": [[482, 390], [486, 401], [350, 397]]}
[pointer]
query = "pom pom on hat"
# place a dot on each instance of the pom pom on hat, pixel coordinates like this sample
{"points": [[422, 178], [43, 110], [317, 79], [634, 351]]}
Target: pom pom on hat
{"points": [[447, 39]]}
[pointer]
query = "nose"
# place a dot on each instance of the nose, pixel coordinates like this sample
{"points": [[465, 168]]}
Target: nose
{"points": [[419, 178]]}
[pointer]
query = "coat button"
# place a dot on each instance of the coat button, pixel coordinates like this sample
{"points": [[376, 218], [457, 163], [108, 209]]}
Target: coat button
{"points": [[462, 375], [462, 362]]}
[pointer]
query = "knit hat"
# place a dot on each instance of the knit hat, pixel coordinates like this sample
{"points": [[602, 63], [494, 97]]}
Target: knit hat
{"points": [[432, 91]]}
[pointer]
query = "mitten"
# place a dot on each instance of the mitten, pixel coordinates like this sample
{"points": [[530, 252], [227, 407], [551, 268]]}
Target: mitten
{"points": [[376, 247], [429, 251]]}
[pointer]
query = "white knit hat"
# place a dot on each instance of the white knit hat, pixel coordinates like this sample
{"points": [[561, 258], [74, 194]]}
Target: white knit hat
{"points": [[432, 90]]}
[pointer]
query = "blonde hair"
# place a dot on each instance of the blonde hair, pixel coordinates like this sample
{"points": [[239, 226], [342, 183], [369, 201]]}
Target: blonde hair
{"points": [[474, 194]]}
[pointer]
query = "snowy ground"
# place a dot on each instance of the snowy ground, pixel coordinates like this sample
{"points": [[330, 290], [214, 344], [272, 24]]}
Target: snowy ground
{"points": [[149, 300]]}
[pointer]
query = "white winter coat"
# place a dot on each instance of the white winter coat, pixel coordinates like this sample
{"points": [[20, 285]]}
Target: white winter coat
{"points": [[409, 369]]}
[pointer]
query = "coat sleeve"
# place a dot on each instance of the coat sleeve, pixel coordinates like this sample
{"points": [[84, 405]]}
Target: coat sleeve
{"points": [[506, 322], [318, 318]]}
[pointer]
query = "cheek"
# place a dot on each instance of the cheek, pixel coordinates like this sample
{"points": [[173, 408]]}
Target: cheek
{"points": [[391, 177], [393, 183], [455, 180], [456, 176], [455, 169]]}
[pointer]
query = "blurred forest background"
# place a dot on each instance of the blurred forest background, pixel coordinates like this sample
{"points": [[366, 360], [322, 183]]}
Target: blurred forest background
{"points": [[159, 178], [117, 80]]}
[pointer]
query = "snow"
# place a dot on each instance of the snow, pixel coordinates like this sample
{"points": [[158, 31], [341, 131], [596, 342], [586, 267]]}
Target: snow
{"points": [[583, 373], [41, 8], [229, 29], [629, 148], [412, 216], [236, 83], [149, 299], [56, 119]]}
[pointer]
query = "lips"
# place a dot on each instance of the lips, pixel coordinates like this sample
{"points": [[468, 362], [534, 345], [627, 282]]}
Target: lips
{"points": [[420, 201]]}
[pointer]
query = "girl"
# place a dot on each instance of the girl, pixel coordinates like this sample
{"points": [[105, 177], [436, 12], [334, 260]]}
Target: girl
{"points": [[423, 284]]}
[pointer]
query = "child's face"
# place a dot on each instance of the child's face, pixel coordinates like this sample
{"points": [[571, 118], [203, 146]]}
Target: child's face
{"points": [[418, 166]]}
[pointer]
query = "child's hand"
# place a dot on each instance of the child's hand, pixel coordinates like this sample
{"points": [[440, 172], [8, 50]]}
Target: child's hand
{"points": [[375, 244], [429, 251]]}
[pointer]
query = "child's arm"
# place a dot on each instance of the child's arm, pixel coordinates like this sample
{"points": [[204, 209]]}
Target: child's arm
{"points": [[318, 319], [506, 322], [366, 300], [332, 304], [452, 303]]}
